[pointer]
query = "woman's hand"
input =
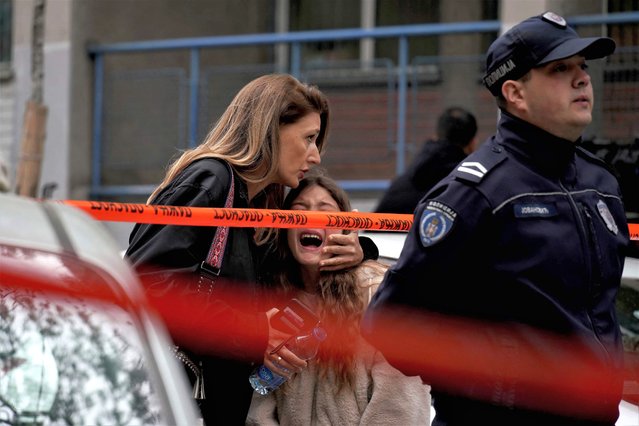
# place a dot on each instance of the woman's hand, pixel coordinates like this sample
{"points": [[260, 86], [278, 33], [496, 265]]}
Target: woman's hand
{"points": [[277, 357], [342, 251]]}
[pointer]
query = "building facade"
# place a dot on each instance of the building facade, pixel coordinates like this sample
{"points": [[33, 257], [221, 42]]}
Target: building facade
{"points": [[145, 106]]}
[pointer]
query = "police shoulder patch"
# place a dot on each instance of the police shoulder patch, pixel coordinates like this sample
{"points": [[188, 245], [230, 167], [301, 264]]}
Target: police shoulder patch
{"points": [[436, 222], [479, 164]]}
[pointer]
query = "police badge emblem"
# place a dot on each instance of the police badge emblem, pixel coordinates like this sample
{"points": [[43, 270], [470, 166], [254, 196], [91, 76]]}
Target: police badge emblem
{"points": [[437, 220], [605, 214], [555, 19]]}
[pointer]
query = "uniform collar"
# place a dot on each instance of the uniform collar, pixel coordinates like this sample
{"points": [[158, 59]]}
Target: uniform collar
{"points": [[546, 151]]}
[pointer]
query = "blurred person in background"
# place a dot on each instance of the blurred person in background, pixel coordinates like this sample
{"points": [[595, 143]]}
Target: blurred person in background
{"points": [[349, 382], [456, 138], [268, 138], [523, 244]]}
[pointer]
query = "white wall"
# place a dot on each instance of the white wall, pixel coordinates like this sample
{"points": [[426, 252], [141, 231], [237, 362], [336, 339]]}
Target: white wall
{"points": [[56, 92], [513, 11], [7, 112]]}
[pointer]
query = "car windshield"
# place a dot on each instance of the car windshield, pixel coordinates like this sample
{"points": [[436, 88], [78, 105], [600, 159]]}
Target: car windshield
{"points": [[69, 360]]}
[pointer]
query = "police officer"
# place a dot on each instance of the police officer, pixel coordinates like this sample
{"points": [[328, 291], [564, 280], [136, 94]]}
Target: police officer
{"points": [[524, 244]]}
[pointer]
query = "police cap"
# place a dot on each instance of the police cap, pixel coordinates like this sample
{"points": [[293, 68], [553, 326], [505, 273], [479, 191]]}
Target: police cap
{"points": [[535, 42]]}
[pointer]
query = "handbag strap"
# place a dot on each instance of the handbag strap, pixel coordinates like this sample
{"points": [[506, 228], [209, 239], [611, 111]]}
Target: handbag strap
{"points": [[213, 262]]}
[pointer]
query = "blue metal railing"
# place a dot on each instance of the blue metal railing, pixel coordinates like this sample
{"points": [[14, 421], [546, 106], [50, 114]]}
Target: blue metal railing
{"points": [[295, 40]]}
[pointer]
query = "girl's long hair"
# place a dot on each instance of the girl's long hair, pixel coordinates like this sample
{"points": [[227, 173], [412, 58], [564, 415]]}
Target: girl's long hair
{"points": [[342, 298], [247, 134]]}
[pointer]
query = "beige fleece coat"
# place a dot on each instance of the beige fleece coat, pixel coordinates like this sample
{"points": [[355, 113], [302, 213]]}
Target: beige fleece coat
{"points": [[381, 394]]}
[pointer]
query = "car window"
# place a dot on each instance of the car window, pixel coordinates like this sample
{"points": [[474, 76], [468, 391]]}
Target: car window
{"points": [[68, 360]]}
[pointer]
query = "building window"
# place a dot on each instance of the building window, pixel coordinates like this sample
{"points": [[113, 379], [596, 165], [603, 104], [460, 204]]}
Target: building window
{"points": [[5, 38], [326, 15]]}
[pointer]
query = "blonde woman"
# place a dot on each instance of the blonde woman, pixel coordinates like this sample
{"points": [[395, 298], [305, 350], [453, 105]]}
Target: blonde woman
{"points": [[267, 139]]}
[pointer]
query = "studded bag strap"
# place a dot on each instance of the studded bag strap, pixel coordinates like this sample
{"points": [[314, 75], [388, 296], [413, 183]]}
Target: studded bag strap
{"points": [[210, 268], [209, 271]]}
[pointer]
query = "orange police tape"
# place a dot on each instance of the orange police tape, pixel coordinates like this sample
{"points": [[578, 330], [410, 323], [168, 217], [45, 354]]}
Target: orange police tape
{"points": [[264, 218], [634, 231], [208, 216]]}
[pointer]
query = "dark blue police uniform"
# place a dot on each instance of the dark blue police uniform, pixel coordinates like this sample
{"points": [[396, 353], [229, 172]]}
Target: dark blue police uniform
{"points": [[528, 230], [522, 248]]}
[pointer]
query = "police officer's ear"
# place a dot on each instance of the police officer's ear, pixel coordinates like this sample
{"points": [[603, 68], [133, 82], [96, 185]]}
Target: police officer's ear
{"points": [[514, 94]]}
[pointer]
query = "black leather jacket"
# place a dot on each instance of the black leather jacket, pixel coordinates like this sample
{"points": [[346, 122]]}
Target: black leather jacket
{"points": [[433, 162], [178, 251]]}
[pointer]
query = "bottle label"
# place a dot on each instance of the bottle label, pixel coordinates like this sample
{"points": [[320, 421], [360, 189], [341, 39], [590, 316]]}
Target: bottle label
{"points": [[264, 373]]}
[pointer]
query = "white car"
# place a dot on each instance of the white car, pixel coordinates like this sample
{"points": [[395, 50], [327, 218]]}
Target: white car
{"points": [[77, 346], [390, 245]]}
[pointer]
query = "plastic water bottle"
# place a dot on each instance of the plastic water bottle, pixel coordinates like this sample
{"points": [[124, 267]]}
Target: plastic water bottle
{"points": [[305, 347]]}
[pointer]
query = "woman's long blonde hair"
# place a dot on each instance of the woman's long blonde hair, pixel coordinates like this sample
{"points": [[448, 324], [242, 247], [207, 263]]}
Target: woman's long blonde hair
{"points": [[247, 134]]}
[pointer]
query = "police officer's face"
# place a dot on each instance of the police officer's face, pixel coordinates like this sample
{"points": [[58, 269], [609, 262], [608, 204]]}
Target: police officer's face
{"points": [[306, 244], [558, 97]]}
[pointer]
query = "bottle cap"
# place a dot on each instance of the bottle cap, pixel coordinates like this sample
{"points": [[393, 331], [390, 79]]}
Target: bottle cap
{"points": [[319, 333]]}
